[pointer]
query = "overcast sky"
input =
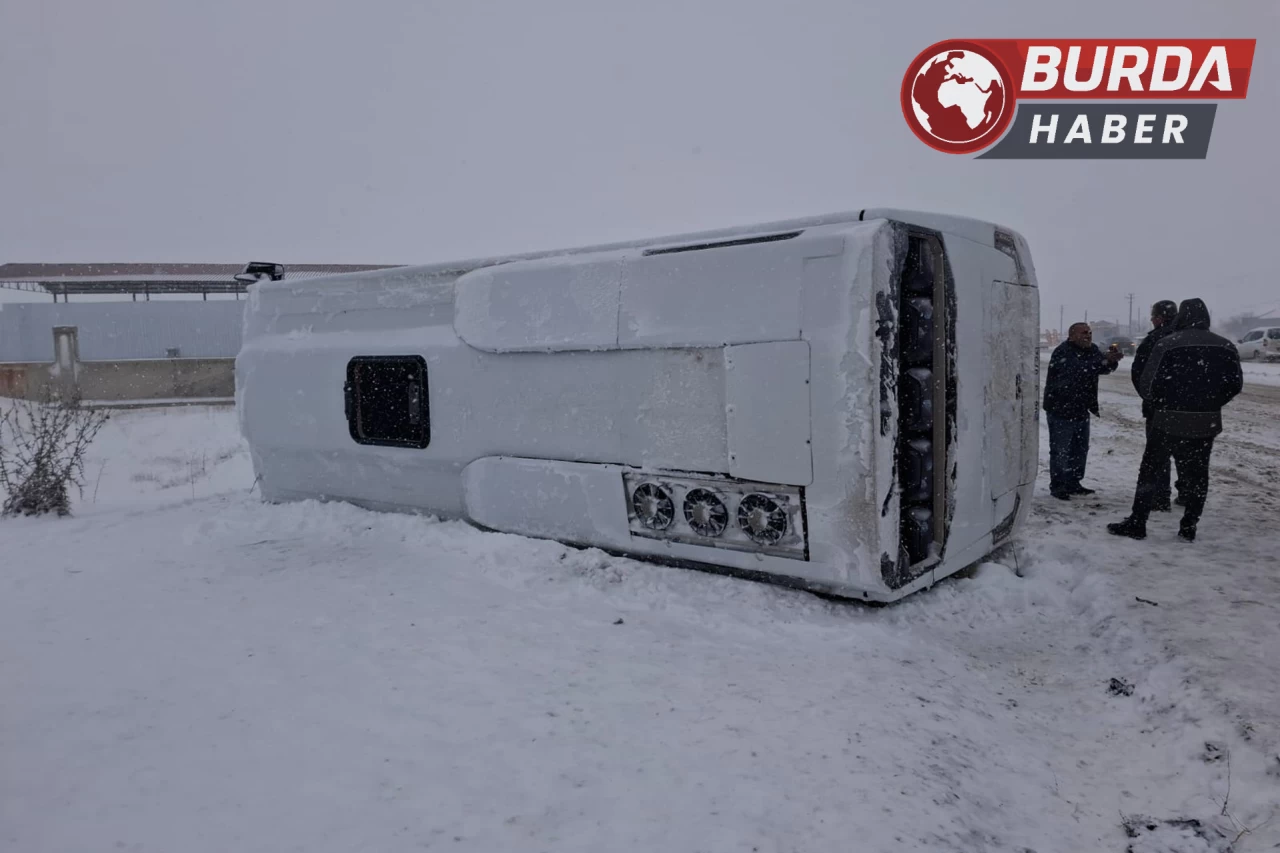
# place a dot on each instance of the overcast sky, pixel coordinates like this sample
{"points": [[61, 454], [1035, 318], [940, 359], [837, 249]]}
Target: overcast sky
{"points": [[403, 131]]}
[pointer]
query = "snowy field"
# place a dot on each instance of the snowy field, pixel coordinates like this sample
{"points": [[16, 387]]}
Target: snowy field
{"points": [[183, 668], [1256, 372]]}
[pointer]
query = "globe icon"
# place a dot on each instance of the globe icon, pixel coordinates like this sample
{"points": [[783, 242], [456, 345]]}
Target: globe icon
{"points": [[958, 96]]}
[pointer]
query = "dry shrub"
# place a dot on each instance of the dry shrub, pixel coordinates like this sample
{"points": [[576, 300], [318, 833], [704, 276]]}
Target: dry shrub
{"points": [[42, 452]]}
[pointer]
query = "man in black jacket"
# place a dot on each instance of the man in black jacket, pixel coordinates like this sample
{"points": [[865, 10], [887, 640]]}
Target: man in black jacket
{"points": [[1070, 396], [1190, 376], [1162, 316]]}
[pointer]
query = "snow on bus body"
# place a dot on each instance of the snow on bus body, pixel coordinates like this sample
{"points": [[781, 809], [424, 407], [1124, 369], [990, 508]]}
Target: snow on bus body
{"points": [[846, 403]]}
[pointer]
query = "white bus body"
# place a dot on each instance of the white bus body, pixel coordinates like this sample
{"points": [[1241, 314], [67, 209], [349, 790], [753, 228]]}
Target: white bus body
{"points": [[845, 403]]}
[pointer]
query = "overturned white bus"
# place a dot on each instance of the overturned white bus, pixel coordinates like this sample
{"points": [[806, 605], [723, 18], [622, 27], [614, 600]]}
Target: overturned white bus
{"points": [[845, 403]]}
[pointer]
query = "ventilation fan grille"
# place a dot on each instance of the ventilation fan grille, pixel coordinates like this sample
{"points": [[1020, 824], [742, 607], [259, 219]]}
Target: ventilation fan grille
{"points": [[761, 518]]}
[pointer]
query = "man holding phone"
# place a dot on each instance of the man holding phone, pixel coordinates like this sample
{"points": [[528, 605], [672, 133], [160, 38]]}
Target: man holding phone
{"points": [[1070, 398]]}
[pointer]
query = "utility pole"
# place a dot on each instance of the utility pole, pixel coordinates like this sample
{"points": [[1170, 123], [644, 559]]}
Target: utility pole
{"points": [[1131, 315]]}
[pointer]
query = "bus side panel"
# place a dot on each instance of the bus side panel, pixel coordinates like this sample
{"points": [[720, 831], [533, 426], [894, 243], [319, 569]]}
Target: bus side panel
{"points": [[979, 343], [1012, 402], [996, 361]]}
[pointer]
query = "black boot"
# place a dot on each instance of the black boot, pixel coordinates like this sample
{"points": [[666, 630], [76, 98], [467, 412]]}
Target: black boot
{"points": [[1131, 527], [1187, 530]]}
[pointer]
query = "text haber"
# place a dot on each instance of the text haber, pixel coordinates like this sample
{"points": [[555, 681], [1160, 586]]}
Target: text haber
{"points": [[1113, 129]]}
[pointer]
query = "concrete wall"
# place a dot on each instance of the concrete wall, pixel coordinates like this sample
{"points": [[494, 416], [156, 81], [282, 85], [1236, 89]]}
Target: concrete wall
{"points": [[23, 381], [120, 379], [157, 378], [152, 379]]}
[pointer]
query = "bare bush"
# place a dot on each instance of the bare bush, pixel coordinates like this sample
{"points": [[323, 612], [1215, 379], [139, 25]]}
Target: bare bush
{"points": [[42, 453]]}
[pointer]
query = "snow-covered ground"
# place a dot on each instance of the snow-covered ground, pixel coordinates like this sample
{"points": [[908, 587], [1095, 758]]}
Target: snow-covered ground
{"points": [[1262, 372], [183, 668], [1256, 371]]}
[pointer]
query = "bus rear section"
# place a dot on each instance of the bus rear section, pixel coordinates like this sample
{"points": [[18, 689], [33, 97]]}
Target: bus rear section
{"points": [[795, 403]]}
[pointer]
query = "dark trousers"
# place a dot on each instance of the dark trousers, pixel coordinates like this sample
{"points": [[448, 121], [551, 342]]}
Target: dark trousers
{"points": [[1068, 452], [1192, 457], [1163, 473]]}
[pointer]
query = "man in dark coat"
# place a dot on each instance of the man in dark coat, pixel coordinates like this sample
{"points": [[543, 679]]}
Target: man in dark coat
{"points": [[1070, 397], [1162, 316], [1190, 376]]}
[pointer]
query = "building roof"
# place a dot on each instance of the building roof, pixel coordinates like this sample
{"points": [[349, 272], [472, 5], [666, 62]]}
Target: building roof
{"points": [[99, 278]]}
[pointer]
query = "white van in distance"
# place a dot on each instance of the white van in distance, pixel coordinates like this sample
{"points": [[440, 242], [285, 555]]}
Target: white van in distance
{"points": [[1260, 344], [845, 403]]}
